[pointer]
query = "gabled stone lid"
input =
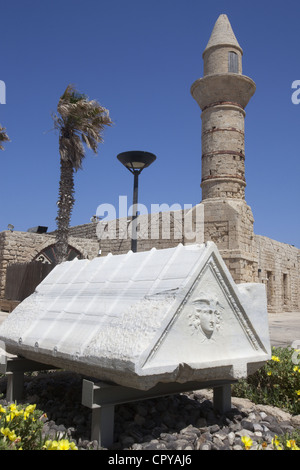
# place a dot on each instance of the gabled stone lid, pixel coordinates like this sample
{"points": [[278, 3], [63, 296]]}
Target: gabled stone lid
{"points": [[172, 315], [223, 34]]}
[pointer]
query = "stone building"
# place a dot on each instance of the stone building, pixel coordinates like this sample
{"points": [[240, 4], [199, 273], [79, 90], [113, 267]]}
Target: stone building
{"points": [[225, 218], [25, 247], [222, 216], [223, 94]]}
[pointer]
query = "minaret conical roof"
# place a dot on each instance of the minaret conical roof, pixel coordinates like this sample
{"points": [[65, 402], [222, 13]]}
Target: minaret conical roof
{"points": [[223, 34]]}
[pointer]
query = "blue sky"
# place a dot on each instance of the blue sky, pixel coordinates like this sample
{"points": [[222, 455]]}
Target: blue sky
{"points": [[139, 59]]}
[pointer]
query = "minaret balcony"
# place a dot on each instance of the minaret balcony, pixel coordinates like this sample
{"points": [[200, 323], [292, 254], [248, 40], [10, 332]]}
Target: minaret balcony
{"points": [[227, 88]]}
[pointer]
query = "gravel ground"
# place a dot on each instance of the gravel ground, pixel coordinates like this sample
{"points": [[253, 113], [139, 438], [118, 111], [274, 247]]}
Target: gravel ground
{"points": [[178, 422]]}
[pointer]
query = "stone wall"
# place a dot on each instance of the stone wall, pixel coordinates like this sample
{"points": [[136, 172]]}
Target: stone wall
{"points": [[249, 257], [279, 269], [23, 247], [229, 224], [84, 231], [159, 230]]}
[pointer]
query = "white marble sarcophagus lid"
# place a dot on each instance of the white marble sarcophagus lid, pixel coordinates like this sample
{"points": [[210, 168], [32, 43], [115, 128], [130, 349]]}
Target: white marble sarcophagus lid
{"points": [[172, 315]]}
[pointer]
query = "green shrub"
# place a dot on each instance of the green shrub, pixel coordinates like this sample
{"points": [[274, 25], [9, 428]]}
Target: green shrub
{"points": [[21, 429], [288, 441], [276, 384], [284, 442]]}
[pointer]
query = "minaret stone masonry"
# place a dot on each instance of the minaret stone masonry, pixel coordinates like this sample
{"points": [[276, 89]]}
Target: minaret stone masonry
{"points": [[223, 94]]}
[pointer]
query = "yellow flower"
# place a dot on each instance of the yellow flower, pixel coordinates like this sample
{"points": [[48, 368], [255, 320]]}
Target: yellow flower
{"points": [[5, 431], [12, 436], [51, 445], [63, 444], [291, 444], [30, 408], [298, 392], [2, 410], [10, 417], [247, 441], [269, 373], [295, 368], [275, 358], [276, 443]]}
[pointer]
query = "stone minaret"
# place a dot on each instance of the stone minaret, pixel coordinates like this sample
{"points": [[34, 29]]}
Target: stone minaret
{"points": [[222, 94]]}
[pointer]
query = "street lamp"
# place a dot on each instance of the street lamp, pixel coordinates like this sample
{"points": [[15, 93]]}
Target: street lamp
{"points": [[135, 161]]}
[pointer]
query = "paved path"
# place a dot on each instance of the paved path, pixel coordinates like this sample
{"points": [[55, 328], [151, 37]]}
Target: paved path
{"points": [[284, 328]]}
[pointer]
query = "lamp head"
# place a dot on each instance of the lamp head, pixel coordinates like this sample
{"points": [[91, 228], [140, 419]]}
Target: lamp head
{"points": [[136, 160]]}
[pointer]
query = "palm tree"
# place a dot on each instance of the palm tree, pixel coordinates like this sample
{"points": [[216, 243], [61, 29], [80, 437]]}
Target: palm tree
{"points": [[3, 137], [80, 122]]}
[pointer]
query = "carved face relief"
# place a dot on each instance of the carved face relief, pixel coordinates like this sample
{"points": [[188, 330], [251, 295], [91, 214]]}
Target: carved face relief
{"points": [[206, 316]]}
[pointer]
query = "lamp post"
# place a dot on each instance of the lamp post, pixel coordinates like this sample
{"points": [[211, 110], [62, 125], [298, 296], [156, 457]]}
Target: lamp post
{"points": [[135, 161]]}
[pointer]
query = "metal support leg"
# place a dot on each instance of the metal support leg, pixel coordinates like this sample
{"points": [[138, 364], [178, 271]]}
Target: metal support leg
{"points": [[15, 386], [14, 368], [101, 398], [222, 398], [103, 425]]}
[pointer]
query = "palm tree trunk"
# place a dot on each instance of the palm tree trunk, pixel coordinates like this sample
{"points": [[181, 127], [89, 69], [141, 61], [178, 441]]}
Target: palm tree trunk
{"points": [[65, 206]]}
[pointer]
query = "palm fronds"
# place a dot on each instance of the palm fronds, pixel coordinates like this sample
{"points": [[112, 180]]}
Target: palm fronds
{"points": [[3, 137], [80, 121]]}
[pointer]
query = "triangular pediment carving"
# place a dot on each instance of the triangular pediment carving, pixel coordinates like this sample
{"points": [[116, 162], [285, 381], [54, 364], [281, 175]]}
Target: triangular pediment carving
{"points": [[210, 323]]}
